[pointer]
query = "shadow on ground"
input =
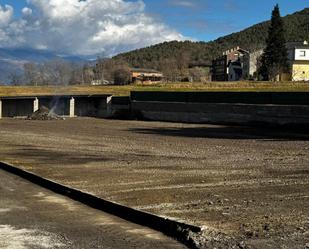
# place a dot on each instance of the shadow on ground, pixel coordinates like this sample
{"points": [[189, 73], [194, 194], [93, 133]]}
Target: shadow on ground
{"points": [[55, 157], [230, 132]]}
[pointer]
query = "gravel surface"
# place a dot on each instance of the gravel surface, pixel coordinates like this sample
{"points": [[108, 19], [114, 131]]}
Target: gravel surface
{"points": [[248, 184], [37, 218]]}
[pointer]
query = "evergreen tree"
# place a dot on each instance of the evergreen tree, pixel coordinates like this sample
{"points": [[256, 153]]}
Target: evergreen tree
{"points": [[274, 59]]}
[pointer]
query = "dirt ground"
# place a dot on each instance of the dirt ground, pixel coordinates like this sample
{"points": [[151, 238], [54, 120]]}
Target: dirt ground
{"points": [[37, 218], [250, 184]]}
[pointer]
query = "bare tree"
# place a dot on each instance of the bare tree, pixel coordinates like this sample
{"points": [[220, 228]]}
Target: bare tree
{"points": [[16, 79], [170, 69], [57, 72], [31, 73], [122, 75]]}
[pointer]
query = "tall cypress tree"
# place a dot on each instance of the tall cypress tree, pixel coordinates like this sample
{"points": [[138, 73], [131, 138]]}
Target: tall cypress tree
{"points": [[274, 58]]}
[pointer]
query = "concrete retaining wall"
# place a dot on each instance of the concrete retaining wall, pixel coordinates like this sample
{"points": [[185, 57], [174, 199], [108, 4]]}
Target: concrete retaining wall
{"points": [[275, 98], [196, 107], [66, 105], [17, 107], [59, 105], [90, 107], [120, 107], [222, 113]]}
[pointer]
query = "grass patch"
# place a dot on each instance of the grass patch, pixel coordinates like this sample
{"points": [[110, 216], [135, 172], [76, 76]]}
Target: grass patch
{"points": [[125, 90]]}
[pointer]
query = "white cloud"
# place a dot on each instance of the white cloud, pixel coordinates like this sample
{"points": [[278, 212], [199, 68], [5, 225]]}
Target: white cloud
{"points": [[82, 27], [26, 11], [183, 3], [6, 14]]}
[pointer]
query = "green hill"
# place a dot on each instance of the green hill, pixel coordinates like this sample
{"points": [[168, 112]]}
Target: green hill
{"points": [[253, 38]]}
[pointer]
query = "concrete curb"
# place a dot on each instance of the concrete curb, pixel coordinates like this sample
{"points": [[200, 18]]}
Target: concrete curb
{"points": [[175, 229]]}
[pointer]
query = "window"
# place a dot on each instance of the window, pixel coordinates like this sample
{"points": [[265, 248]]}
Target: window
{"points": [[302, 53]]}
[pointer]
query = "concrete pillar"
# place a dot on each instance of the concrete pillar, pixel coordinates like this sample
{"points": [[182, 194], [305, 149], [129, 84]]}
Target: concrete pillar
{"points": [[35, 105], [0, 108], [109, 106], [72, 107]]}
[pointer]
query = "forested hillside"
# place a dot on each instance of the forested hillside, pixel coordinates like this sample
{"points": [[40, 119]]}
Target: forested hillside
{"points": [[166, 54]]}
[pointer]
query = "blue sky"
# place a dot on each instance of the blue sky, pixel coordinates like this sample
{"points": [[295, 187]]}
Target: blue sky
{"points": [[113, 26], [207, 20]]}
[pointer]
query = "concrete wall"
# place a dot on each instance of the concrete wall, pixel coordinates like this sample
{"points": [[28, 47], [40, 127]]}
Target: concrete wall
{"points": [[90, 106], [17, 107], [176, 107], [241, 114], [120, 107], [302, 54], [71, 106], [300, 71], [59, 105], [276, 98]]}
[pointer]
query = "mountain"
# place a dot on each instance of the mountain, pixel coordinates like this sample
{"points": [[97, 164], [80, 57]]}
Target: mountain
{"points": [[13, 60], [251, 39]]}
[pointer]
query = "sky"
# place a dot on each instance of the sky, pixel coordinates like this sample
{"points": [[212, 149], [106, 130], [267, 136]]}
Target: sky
{"points": [[107, 27]]}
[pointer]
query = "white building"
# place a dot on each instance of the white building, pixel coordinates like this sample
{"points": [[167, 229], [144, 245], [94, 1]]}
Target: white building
{"points": [[298, 54]]}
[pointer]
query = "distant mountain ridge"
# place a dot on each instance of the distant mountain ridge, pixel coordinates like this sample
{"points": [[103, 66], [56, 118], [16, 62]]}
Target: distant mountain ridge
{"points": [[252, 38], [12, 60]]}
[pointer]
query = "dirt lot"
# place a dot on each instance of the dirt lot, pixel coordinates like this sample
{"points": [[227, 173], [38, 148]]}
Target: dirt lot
{"points": [[249, 184]]}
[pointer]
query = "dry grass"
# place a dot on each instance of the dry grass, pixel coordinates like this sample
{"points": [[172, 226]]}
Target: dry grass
{"points": [[125, 90]]}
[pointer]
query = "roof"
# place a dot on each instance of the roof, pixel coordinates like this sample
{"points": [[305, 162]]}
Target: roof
{"points": [[200, 64], [237, 49], [55, 96], [295, 45], [302, 47], [144, 70]]}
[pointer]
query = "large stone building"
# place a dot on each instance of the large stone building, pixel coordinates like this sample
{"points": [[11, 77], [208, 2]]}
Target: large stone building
{"points": [[235, 64]]}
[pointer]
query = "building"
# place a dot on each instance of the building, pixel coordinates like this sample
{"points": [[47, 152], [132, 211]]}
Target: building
{"points": [[251, 64], [298, 54], [146, 75], [219, 69], [229, 67], [100, 82], [236, 64], [235, 70]]}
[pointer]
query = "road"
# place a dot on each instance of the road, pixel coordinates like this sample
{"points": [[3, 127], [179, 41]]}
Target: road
{"points": [[33, 217]]}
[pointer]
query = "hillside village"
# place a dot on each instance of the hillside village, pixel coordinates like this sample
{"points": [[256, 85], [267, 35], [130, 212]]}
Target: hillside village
{"points": [[235, 64], [231, 58]]}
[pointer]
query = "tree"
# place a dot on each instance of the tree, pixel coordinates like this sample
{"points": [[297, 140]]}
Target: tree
{"points": [[16, 79], [122, 76], [274, 58], [32, 74], [57, 72]]}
